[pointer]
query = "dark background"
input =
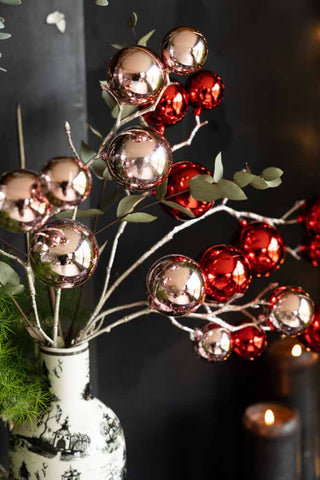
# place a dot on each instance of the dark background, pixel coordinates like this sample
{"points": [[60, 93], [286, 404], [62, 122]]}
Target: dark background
{"points": [[182, 417]]}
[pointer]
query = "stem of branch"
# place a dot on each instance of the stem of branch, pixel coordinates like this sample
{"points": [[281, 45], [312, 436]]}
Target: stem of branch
{"points": [[67, 129], [56, 317], [193, 133]]}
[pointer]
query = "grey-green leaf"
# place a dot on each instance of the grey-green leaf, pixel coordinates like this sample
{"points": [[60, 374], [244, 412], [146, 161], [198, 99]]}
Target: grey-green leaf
{"points": [[11, 289], [204, 191], [139, 217], [259, 183], [117, 46], [126, 111], [161, 190], [81, 213], [271, 173], [86, 153], [132, 20], [108, 98], [218, 168], [107, 174], [231, 190], [4, 36], [2, 23], [274, 183], [95, 132], [144, 40], [98, 167], [8, 275], [11, 2], [102, 3], [102, 247], [127, 204], [176, 206], [243, 178]]}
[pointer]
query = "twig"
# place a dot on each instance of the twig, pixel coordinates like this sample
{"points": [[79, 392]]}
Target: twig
{"points": [[193, 133], [67, 129], [294, 252], [298, 204], [74, 214], [175, 323], [15, 249], [12, 257], [56, 317], [20, 137], [35, 331]]}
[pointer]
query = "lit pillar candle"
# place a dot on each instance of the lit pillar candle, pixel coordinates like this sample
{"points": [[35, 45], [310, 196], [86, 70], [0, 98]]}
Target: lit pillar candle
{"points": [[272, 442], [292, 374]]}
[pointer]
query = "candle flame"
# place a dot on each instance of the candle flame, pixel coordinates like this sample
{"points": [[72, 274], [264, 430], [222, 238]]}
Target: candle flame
{"points": [[269, 417], [296, 350]]}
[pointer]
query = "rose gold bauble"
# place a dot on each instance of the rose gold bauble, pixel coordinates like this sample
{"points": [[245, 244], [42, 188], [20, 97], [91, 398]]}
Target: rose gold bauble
{"points": [[63, 253], [23, 207], [175, 285], [291, 310], [213, 343], [65, 181], [135, 75], [184, 50], [139, 158]]}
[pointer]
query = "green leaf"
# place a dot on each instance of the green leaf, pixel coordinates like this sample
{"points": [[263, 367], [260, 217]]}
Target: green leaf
{"points": [[243, 178], [132, 20], [2, 22], [139, 217], [271, 173], [107, 97], [161, 190], [4, 36], [231, 190], [126, 111], [203, 190], [98, 167], [274, 183], [107, 175], [11, 2], [259, 184], [88, 213], [117, 46], [95, 132], [126, 204], [86, 153], [176, 206], [144, 40], [11, 289], [102, 3], [218, 168], [8, 275], [102, 247]]}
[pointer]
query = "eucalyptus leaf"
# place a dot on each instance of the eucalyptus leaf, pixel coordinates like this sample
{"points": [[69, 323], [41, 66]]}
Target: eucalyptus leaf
{"points": [[108, 98], [102, 3], [271, 173], [231, 190], [204, 191], [107, 175], [4, 36], [2, 23], [86, 152], [259, 183], [274, 183], [117, 46], [139, 217], [95, 132], [144, 40], [176, 206], [218, 168], [126, 111], [8, 275], [102, 247], [132, 20], [126, 204], [161, 190], [11, 289], [243, 178], [81, 213], [11, 2], [98, 167]]}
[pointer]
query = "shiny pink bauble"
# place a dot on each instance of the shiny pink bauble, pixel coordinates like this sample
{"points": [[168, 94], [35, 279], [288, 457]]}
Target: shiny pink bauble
{"points": [[135, 75], [139, 158], [23, 207], [63, 253], [65, 181], [227, 272], [175, 285], [212, 343], [184, 50]]}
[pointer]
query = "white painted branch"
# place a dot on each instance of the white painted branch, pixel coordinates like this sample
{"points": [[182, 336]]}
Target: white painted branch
{"points": [[56, 317], [189, 141]]}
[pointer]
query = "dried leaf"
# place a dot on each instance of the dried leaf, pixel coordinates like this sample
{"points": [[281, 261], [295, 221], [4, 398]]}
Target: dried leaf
{"points": [[161, 190], [271, 173], [218, 168], [176, 206], [144, 40], [243, 178], [139, 217], [231, 190], [127, 204]]}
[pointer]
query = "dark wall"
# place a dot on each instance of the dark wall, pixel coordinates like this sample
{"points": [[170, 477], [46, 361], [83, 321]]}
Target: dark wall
{"points": [[181, 416]]}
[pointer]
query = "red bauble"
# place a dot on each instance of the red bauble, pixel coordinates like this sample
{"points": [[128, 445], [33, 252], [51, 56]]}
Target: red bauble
{"points": [[227, 272], [205, 90], [311, 336], [178, 181], [312, 216], [249, 342], [312, 250], [263, 247], [171, 108]]}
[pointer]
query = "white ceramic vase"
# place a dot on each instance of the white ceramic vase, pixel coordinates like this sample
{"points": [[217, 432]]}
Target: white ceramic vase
{"points": [[79, 438]]}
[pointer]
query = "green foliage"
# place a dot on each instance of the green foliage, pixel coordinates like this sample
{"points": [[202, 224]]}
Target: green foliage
{"points": [[9, 280], [179, 207], [3, 35], [144, 40], [102, 3], [139, 217], [127, 204]]}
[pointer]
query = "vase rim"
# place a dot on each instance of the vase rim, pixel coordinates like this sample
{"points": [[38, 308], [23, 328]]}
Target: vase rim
{"points": [[65, 351]]}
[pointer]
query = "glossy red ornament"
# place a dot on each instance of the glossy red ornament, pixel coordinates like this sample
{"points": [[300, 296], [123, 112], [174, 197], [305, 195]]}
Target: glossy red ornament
{"points": [[263, 247], [312, 250], [227, 272], [171, 108], [178, 181], [205, 90], [311, 336], [249, 342], [311, 214]]}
